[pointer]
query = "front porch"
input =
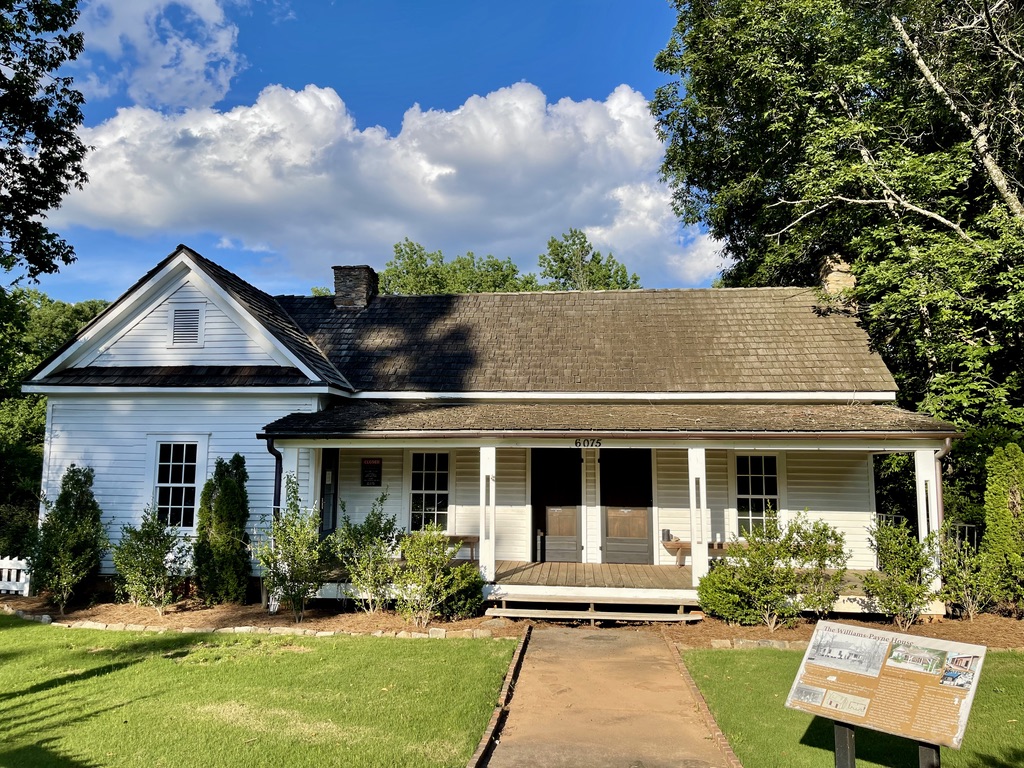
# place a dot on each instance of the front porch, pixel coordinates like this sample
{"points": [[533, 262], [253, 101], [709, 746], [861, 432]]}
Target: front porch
{"points": [[517, 573]]}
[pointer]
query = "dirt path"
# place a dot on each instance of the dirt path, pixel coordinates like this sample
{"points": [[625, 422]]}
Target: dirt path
{"points": [[603, 698]]}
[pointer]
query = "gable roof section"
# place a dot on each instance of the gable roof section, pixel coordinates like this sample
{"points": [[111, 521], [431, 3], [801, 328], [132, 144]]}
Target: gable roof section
{"points": [[666, 341], [260, 306]]}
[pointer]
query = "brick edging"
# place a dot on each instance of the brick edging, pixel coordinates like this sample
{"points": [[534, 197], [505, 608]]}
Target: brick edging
{"points": [[702, 705], [490, 735]]}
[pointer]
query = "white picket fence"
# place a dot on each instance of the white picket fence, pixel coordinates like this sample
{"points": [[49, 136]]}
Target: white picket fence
{"points": [[13, 576]]}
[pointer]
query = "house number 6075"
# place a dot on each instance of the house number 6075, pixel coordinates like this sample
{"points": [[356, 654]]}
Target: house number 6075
{"points": [[588, 443]]}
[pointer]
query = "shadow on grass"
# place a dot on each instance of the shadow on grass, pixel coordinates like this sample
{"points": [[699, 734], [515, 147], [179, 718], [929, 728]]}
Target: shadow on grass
{"points": [[41, 756], [874, 746]]}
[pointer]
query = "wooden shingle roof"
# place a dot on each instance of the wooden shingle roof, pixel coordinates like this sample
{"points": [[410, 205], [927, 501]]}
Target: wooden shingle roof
{"points": [[700, 341], [373, 418]]}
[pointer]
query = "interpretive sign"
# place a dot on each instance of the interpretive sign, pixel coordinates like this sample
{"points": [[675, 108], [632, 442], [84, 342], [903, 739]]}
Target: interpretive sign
{"points": [[371, 474], [918, 687]]}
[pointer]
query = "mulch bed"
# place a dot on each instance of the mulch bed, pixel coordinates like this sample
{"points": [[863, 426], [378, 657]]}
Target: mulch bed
{"points": [[327, 615]]}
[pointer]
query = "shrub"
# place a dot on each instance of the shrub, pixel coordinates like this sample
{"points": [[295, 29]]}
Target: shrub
{"points": [[151, 562], [901, 588], [969, 585], [426, 580], [220, 549], [1003, 542], [467, 593], [779, 572], [71, 540], [367, 553], [295, 561]]}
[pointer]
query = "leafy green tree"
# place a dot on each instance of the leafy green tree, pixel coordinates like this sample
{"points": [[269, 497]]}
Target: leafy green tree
{"points": [[1003, 541], [32, 327], [414, 271], [40, 151], [294, 560], [901, 588], [221, 546], [809, 134], [151, 561], [71, 540], [572, 264]]}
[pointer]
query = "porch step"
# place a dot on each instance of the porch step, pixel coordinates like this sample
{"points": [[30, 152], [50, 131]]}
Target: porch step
{"points": [[592, 614], [597, 599]]}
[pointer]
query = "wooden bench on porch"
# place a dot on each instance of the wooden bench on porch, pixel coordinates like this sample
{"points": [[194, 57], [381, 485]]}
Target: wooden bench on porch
{"points": [[684, 549], [472, 543]]}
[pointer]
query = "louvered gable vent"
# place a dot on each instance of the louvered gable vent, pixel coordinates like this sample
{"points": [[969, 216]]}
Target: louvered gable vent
{"points": [[186, 326]]}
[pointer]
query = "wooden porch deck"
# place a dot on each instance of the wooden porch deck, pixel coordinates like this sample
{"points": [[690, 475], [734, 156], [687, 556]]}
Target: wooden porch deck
{"points": [[610, 575]]}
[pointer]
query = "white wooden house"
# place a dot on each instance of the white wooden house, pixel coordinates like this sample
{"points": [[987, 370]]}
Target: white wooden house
{"points": [[614, 436]]}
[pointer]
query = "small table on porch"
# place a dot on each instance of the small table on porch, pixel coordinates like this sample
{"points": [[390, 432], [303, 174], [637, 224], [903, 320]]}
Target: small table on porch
{"points": [[469, 542]]}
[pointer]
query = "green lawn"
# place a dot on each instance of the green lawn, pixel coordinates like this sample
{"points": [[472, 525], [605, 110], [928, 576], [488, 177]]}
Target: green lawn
{"points": [[80, 698], [746, 691]]}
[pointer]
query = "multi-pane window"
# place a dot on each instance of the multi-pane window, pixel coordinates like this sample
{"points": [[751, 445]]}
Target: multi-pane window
{"points": [[429, 497], [757, 490], [176, 483]]}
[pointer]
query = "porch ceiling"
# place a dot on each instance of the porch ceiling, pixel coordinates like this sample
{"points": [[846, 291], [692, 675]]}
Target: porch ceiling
{"points": [[440, 418]]}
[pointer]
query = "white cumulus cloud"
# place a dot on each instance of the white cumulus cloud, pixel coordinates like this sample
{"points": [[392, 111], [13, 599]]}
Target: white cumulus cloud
{"points": [[293, 174], [163, 53]]}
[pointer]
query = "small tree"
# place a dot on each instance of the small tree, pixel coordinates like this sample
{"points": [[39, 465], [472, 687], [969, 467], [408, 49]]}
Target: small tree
{"points": [[902, 586], [221, 552], [294, 560], [969, 585], [425, 581], [71, 540], [366, 551], [151, 562], [821, 552], [1003, 541]]}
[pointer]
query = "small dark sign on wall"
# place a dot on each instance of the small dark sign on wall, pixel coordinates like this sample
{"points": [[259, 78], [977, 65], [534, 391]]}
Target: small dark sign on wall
{"points": [[371, 474]]}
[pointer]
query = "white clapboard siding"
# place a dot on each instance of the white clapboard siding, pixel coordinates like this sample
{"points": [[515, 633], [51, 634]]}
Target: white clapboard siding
{"points": [[467, 492], [591, 509], [14, 579], [358, 499], [722, 507], [111, 435], [225, 342], [835, 487], [512, 508], [673, 495]]}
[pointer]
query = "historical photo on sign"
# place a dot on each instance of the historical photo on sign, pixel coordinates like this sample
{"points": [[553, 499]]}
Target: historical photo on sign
{"points": [[808, 694], [917, 659], [921, 688], [850, 652]]}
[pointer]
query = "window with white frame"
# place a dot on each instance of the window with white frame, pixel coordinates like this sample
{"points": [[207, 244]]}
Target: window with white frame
{"points": [[176, 474], [757, 490], [428, 497]]}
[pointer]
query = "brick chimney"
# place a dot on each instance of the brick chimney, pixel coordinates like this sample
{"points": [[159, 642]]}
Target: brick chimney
{"points": [[354, 287]]}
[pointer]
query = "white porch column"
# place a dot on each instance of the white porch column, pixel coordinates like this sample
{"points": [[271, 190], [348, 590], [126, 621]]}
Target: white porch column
{"points": [[927, 481], [700, 515], [488, 468]]}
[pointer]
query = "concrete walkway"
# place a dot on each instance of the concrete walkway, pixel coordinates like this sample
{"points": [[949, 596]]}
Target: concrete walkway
{"points": [[603, 698]]}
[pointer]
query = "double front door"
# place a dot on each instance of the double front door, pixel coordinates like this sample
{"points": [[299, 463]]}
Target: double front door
{"points": [[625, 497]]}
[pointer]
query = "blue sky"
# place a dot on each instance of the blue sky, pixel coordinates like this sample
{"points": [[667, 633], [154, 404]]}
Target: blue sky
{"points": [[279, 138]]}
